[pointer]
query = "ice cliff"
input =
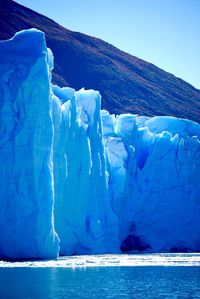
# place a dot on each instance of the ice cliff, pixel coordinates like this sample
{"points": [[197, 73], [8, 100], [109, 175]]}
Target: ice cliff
{"points": [[77, 180], [26, 137]]}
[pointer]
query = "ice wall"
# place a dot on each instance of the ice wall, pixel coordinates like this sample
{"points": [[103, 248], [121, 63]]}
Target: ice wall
{"points": [[156, 181], [26, 132], [96, 182], [84, 219]]}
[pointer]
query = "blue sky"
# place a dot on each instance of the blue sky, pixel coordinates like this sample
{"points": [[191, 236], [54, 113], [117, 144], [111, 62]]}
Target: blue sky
{"points": [[164, 32]]}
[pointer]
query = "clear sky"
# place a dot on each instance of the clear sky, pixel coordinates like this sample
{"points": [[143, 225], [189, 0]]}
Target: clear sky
{"points": [[163, 32]]}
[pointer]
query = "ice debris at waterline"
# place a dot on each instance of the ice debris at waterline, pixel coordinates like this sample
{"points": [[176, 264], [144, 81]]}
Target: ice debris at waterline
{"points": [[77, 180], [111, 260]]}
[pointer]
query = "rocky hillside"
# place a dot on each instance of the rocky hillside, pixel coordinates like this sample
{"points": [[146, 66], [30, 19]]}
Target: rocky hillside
{"points": [[126, 83]]}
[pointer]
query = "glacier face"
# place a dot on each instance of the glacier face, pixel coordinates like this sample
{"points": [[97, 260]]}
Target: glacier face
{"points": [[159, 202], [26, 132], [83, 217], [77, 180]]}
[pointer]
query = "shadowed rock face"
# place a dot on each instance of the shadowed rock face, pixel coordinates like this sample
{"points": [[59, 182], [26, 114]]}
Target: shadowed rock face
{"points": [[126, 83]]}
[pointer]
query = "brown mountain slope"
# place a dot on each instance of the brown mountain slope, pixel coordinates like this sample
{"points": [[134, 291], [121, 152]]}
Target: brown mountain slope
{"points": [[126, 83]]}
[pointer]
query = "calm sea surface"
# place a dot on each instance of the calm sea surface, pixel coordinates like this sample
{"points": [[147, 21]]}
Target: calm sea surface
{"points": [[114, 279]]}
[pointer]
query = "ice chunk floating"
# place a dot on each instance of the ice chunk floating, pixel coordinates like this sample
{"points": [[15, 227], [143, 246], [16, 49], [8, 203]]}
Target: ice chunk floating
{"points": [[77, 180]]}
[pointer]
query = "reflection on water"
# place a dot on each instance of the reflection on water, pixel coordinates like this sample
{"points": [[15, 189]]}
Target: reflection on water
{"points": [[100, 282]]}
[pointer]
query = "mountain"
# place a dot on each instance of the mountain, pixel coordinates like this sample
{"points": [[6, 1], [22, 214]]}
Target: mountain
{"points": [[126, 83]]}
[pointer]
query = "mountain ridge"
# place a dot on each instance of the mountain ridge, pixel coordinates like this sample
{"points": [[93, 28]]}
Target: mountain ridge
{"points": [[126, 83]]}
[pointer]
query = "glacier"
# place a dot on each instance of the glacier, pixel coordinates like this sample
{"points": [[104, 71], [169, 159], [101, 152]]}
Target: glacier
{"points": [[26, 132], [76, 179]]}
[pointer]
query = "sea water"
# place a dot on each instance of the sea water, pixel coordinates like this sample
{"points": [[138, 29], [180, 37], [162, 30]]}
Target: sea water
{"points": [[105, 276]]}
